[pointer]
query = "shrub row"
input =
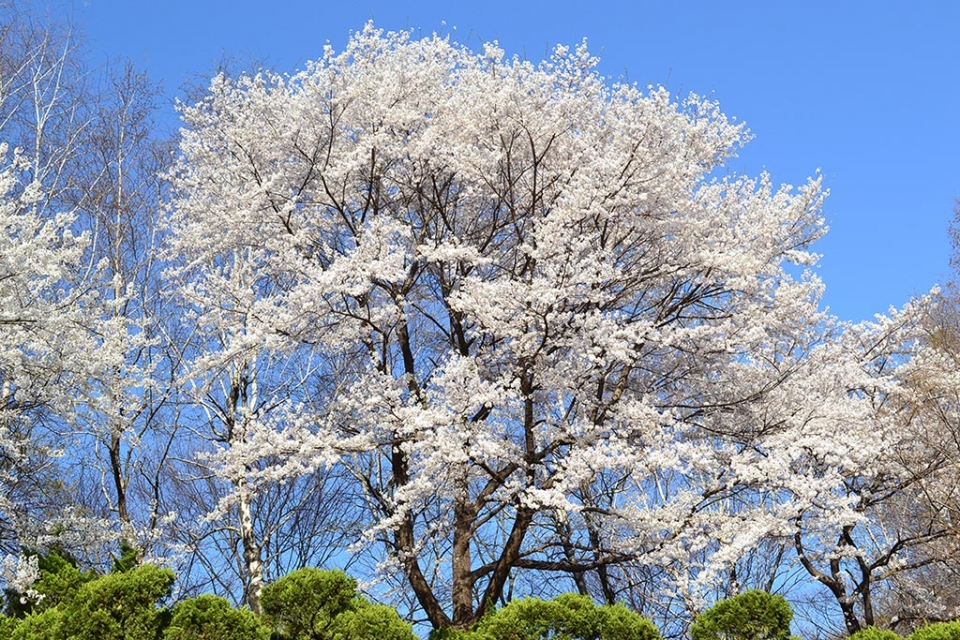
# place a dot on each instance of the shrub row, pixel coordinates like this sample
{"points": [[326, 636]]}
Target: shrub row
{"points": [[935, 631], [309, 604], [314, 604]]}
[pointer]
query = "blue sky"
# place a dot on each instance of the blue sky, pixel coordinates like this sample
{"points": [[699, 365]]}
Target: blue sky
{"points": [[866, 92]]}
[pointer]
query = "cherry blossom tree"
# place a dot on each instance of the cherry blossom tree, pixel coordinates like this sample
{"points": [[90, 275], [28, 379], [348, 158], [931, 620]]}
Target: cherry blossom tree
{"points": [[46, 339], [915, 518], [80, 194], [478, 326], [247, 516], [46, 298], [531, 312], [124, 428]]}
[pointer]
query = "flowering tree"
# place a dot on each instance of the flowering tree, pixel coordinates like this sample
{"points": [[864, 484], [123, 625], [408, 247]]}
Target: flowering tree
{"points": [[116, 194], [242, 394], [45, 332], [545, 330], [46, 340], [79, 276]]}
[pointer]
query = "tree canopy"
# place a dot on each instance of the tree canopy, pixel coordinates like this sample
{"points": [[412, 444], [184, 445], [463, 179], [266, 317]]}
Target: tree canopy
{"points": [[476, 326]]}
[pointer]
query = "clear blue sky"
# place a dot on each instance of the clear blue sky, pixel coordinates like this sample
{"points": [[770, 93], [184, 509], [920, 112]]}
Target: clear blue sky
{"points": [[867, 92]]}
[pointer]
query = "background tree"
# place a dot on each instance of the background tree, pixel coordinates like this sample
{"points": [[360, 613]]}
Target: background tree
{"points": [[46, 355], [43, 267], [89, 160], [118, 195], [924, 586], [262, 521]]}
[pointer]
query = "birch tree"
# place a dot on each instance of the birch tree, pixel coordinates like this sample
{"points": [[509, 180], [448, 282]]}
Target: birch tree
{"points": [[117, 195]]}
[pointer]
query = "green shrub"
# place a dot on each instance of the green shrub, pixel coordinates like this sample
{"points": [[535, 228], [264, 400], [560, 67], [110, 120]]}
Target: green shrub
{"points": [[303, 603], [313, 604], [210, 617], [366, 621], [567, 617], [873, 633], [77, 605], [44, 625], [752, 615], [622, 623], [7, 626], [938, 631], [119, 606]]}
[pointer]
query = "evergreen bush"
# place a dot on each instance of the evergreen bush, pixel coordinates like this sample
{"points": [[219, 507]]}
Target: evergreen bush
{"points": [[938, 631], [873, 633], [119, 606], [59, 582], [752, 615], [315, 604], [210, 617], [7, 626], [566, 617], [43, 625]]}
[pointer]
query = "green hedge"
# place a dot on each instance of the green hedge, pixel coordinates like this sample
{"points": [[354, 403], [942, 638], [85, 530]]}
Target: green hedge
{"points": [[314, 604]]}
